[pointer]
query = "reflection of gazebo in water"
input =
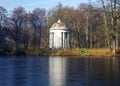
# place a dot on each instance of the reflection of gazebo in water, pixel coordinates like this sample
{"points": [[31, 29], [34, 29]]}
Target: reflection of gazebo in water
{"points": [[57, 71], [59, 35]]}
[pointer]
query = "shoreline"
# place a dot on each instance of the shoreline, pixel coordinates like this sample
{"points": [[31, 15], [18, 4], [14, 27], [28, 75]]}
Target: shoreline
{"points": [[93, 52]]}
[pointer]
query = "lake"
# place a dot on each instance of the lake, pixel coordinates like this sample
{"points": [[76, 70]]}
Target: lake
{"points": [[59, 71]]}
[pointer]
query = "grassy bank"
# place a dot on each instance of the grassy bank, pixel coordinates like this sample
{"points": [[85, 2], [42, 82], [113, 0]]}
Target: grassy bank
{"points": [[98, 52], [85, 52], [62, 52], [82, 52]]}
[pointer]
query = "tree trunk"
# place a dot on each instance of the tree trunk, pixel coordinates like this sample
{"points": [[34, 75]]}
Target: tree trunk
{"points": [[39, 39], [106, 23], [78, 36], [86, 28], [117, 39], [113, 47], [112, 34], [91, 44], [113, 24]]}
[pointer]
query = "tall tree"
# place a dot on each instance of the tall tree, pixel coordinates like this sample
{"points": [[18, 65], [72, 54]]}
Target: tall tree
{"points": [[110, 18], [3, 12], [18, 16], [38, 20]]}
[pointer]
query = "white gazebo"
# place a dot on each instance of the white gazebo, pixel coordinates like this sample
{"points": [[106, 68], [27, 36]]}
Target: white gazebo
{"points": [[59, 35]]}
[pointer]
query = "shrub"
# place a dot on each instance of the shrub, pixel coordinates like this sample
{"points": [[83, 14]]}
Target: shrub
{"points": [[118, 52], [82, 51]]}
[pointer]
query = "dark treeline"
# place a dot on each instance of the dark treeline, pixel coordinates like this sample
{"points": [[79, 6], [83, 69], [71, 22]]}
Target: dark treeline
{"points": [[90, 26]]}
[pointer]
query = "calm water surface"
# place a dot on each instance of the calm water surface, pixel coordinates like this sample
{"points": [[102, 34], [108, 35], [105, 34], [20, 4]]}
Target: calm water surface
{"points": [[59, 71]]}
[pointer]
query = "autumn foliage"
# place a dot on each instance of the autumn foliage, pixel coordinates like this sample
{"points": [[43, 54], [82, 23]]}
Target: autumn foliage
{"points": [[30, 30]]}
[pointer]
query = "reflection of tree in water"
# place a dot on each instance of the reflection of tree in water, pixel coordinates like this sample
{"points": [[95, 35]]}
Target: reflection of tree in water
{"points": [[29, 71], [60, 71], [77, 72], [103, 71], [112, 70], [38, 75], [19, 72], [93, 72]]}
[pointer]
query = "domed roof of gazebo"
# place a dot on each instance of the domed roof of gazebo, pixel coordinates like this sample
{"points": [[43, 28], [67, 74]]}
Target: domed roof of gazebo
{"points": [[58, 25]]}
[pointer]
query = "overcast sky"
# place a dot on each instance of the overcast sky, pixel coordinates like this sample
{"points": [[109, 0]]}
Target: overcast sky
{"points": [[29, 5]]}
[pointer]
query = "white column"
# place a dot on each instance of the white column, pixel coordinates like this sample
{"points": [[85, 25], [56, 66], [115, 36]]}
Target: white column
{"points": [[68, 44], [53, 39], [50, 40], [63, 39]]}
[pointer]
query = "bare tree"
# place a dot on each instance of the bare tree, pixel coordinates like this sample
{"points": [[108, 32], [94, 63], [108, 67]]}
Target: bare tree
{"points": [[110, 18], [18, 16], [38, 17], [3, 12]]}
